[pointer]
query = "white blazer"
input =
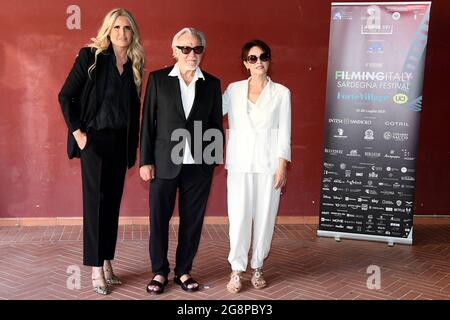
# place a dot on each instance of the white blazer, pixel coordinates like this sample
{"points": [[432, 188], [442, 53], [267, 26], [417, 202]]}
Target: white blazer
{"points": [[256, 141]]}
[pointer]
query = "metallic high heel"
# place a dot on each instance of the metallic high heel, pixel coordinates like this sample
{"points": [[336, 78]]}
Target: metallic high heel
{"points": [[258, 281], [110, 277], [99, 288], [113, 279]]}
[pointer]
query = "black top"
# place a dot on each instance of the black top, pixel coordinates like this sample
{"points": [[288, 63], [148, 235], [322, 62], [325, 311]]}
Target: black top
{"points": [[113, 112], [82, 94]]}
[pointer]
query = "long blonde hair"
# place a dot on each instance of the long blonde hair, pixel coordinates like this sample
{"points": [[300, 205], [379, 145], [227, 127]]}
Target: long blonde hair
{"points": [[135, 52]]}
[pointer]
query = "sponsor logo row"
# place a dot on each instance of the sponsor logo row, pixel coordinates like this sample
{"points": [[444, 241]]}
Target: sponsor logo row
{"points": [[392, 154], [349, 121], [369, 135]]}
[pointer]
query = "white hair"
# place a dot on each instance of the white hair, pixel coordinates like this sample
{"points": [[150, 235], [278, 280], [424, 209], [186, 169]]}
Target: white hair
{"points": [[192, 31]]}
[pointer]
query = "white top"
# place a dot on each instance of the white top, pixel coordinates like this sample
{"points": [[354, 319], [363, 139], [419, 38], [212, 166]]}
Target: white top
{"points": [[187, 98], [250, 106], [257, 140]]}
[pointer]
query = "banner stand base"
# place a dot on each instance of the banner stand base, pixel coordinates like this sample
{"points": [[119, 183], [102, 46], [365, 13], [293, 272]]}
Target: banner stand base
{"points": [[356, 236]]}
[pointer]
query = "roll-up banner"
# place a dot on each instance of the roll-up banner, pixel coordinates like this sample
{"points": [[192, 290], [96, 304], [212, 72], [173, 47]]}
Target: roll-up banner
{"points": [[374, 99]]}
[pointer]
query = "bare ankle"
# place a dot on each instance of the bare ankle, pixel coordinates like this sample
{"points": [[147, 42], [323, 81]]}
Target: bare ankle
{"points": [[107, 264], [97, 272]]}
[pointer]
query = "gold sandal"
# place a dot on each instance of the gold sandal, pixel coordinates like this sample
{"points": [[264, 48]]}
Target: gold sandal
{"points": [[257, 280], [99, 288], [110, 277], [235, 283]]}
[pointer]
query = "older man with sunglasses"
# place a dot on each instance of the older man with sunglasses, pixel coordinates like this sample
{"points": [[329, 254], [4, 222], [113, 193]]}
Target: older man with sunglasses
{"points": [[179, 99]]}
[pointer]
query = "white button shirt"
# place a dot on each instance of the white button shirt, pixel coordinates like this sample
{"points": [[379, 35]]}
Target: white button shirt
{"points": [[187, 98]]}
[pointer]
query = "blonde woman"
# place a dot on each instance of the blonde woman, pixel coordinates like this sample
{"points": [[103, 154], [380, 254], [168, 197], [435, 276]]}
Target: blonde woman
{"points": [[100, 101]]}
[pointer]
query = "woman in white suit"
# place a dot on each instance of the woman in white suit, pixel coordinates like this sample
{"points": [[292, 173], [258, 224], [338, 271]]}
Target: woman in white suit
{"points": [[258, 150]]}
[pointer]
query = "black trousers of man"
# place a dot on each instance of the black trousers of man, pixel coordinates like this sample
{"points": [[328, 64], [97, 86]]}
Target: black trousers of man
{"points": [[103, 168], [193, 187]]}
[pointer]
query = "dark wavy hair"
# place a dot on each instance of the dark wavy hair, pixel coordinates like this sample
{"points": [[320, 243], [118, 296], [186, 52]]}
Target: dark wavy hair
{"points": [[254, 43]]}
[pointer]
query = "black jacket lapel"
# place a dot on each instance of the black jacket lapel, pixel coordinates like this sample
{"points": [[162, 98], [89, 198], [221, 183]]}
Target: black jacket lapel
{"points": [[102, 72], [175, 87], [199, 93]]}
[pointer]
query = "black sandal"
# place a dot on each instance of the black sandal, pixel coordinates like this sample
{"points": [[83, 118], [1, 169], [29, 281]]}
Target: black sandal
{"points": [[158, 284], [185, 285]]}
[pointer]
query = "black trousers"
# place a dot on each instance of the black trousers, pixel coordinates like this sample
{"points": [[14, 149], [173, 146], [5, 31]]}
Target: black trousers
{"points": [[103, 168], [193, 190]]}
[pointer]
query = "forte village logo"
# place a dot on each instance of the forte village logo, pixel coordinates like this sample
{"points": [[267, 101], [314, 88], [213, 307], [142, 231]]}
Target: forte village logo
{"points": [[362, 96]]}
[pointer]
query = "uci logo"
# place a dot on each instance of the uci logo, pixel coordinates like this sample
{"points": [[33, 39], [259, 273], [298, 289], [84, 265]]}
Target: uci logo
{"points": [[400, 98]]}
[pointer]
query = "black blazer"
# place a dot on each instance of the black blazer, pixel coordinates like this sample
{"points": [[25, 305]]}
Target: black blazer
{"points": [[81, 97], [163, 113]]}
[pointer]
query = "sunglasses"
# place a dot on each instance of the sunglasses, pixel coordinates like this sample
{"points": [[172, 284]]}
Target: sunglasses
{"points": [[263, 58], [187, 50]]}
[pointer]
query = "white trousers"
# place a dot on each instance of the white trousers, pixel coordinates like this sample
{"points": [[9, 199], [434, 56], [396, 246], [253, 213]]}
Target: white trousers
{"points": [[252, 199]]}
